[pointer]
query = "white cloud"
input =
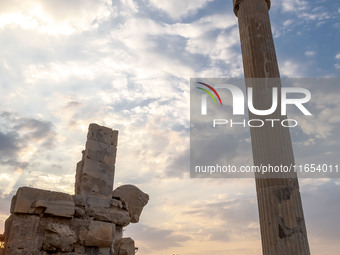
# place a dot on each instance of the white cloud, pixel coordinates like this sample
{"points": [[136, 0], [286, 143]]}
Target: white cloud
{"points": [[337, 56], [53, 18], [291, 69], [310, 53], [293, 5], [288, 22], [177, 9]]}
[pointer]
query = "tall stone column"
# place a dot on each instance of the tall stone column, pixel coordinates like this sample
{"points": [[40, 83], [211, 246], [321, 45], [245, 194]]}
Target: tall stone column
{"points": [[283, 230]]}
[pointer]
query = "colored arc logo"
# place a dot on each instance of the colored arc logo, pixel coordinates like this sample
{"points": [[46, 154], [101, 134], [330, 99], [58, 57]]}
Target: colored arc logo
{"points": [[209, 93]]}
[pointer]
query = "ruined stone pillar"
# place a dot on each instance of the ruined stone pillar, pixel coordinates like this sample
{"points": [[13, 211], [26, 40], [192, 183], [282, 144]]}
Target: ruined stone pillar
{"points": [[282, 224], [95, 172], [90, 222]]}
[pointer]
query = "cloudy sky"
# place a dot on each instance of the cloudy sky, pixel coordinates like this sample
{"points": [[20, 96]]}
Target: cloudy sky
{"points": [[127, 65]]}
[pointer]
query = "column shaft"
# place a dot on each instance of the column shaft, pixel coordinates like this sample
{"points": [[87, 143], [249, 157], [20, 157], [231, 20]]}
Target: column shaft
{"points": [[283, 230]]}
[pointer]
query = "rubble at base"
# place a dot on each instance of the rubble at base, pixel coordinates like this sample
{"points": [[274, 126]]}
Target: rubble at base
{"points": [[88, 223]]}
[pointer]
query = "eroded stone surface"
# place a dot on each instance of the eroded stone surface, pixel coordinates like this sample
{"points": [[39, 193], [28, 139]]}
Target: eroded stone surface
{"points": [[102, 134], [133, 199], [114, 215], [22, 233], [37, 201], [58, 237], [95, 172], [125, 246], [100, 234]]}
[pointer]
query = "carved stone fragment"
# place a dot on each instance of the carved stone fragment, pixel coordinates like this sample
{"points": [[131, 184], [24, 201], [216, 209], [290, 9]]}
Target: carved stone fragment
{"points": [[133, 199]]}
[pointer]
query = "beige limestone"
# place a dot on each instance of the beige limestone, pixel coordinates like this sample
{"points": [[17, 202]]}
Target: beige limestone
{"points": [[133, 199], [100, 234], [29, 200], [22, 233], [102, 134], [95, 172], [125, 246], [58, 237], [114, 215]]}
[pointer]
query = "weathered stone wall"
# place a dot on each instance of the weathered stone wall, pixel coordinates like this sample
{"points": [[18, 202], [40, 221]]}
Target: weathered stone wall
{"points": [[89, 222]]}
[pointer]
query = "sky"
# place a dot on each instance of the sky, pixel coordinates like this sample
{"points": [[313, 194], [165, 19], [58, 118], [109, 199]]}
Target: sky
{"points": [[127, 65]]}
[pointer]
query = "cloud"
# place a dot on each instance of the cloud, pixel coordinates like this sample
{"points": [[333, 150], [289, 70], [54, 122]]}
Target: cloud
{"points": [[30, 129], [177, 9], [8, 143], [155, 238], [22, 140], [337, 65], [5, 202], [288, 22], [300, 16], [52, 18], [292, 69], [319, 219], [310, 53], [232, 216], [201, 210], [292, 5]]}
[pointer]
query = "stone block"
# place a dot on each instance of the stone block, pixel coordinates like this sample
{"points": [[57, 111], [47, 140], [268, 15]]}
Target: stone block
{"points": [[100, 234], [101, 152], [99, 170], [133, 200], [28, 200], [8, 225], [13, 203], [95, 186], [23, 234], [58, 237], [95, 201], [81, 227], [112, 215], [102, 134], [97, 178], [58, 208], [125, 246], [117, 237]]}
